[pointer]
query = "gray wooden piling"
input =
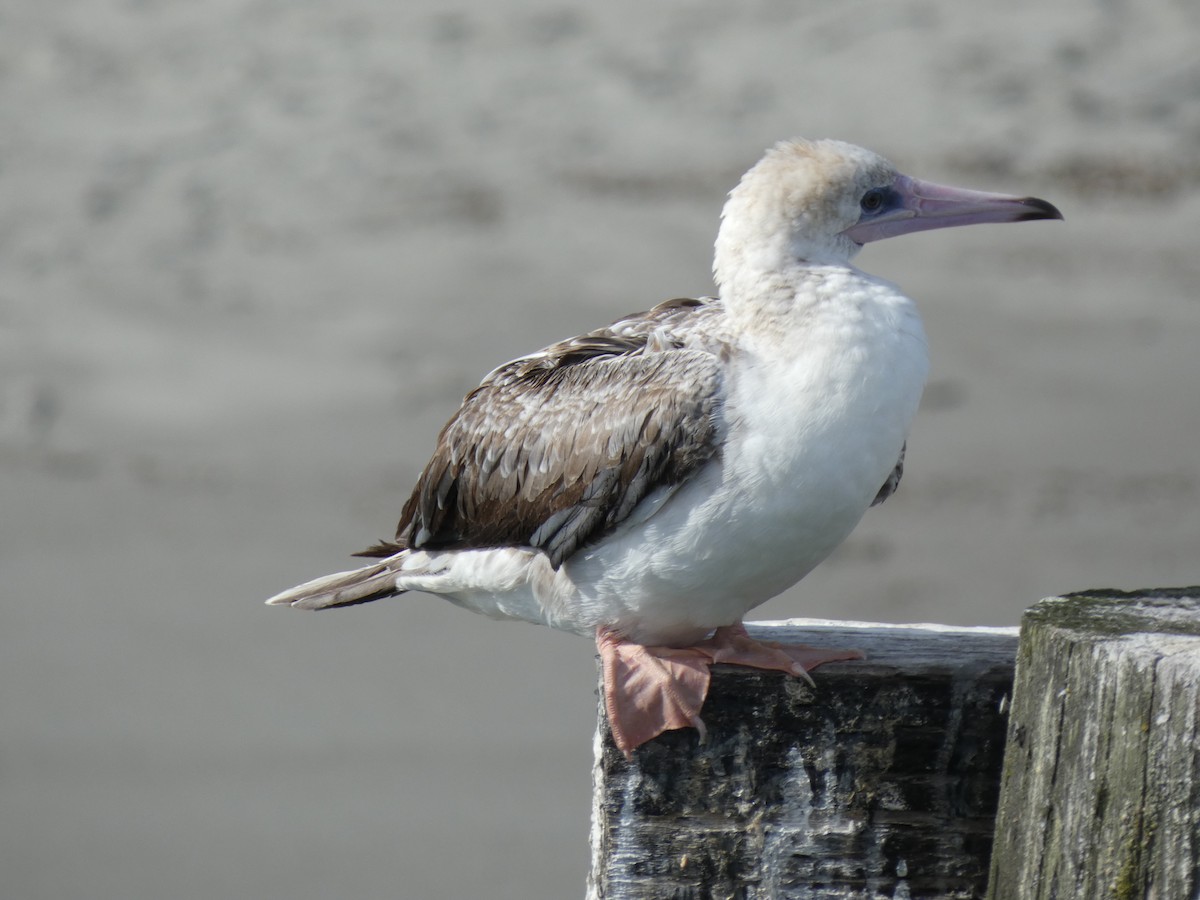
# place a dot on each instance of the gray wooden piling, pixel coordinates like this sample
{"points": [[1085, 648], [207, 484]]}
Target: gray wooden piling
{"points": [[880, 783], [1101, 794]]}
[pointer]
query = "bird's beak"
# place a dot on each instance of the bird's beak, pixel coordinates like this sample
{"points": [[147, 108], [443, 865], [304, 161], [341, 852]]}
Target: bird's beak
{"points": [[921, 205]]}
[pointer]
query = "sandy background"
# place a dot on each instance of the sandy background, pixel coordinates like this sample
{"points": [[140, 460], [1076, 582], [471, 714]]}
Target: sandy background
{"points": [[252, 252]]}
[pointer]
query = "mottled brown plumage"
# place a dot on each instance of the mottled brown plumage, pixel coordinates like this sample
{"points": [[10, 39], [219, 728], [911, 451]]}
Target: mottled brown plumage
{"points": [[555, 449]]}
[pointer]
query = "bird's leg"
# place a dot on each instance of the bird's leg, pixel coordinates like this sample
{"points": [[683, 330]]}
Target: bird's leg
{"points": [[731, 645], [649, 690]]}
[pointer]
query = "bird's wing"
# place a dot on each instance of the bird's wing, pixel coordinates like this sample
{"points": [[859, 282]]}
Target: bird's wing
{"points": [[893, 480], [556, 449]]}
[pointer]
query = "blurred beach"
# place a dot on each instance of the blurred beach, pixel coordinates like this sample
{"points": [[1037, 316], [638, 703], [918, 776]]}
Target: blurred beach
{"points": [[254, 252]]}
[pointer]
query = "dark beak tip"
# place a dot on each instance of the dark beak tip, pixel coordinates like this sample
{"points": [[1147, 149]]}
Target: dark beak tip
{"points": [[1040, 209]]}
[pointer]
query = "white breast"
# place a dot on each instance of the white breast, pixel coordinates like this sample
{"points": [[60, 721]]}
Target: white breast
{"points": [[816, 414]]}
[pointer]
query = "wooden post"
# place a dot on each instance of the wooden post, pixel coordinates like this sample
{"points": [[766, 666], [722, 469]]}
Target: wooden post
{"points": [[880, 783], [1101, 793]]}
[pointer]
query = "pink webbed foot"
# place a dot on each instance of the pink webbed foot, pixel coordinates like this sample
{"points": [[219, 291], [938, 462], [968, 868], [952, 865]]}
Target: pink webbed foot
{"points": [[649, 690], [732, 646]]}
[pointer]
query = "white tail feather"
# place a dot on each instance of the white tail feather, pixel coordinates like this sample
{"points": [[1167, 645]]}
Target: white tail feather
{"points": [[342, 588]]}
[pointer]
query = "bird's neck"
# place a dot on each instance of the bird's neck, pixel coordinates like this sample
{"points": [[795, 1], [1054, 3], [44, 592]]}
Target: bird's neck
{"points": [[764, 272], [754, 296]]}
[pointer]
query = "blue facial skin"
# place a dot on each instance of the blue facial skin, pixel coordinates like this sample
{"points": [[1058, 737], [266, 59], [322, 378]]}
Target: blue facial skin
{"points": [[879, 200]]}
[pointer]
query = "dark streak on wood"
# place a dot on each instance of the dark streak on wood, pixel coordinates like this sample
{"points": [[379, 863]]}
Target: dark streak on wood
{"points": [[881, 783]]}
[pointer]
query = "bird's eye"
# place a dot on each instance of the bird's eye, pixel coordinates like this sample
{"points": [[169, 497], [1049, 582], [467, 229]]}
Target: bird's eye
{"points": [[873, 200]]}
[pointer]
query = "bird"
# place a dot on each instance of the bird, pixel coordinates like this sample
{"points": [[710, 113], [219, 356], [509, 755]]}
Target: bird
{"points": [[648, 483]]}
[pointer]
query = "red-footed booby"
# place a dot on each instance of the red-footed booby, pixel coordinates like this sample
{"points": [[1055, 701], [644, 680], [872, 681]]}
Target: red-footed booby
{"points": [[649, 483]]}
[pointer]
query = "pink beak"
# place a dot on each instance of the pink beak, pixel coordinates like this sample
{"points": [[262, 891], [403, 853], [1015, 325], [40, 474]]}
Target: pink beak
{"points": [[911, 205]]}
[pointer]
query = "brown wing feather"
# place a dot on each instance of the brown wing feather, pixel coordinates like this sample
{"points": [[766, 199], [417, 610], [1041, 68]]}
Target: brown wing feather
{"points": [[893, 480], [556, 449]]}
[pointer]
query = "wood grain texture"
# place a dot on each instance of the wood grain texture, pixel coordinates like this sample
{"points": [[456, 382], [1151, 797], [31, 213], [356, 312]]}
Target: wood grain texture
{"points": [[880, 783], [1101, 795]]}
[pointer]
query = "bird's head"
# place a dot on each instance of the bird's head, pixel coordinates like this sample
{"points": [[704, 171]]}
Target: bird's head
{"points": [[820, 201]]}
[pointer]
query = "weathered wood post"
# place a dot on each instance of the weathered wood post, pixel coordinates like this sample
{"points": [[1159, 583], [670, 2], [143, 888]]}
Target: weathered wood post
{"points": [[1101, 792], [880, 783]]}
